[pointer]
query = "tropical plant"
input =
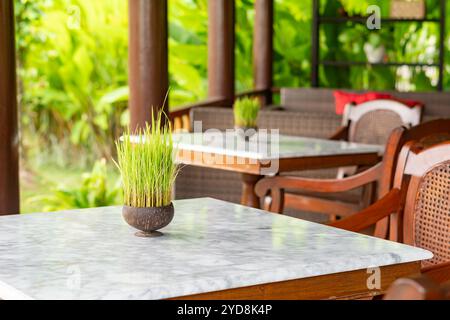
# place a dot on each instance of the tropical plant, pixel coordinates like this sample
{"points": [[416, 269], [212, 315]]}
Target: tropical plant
{"points": [[246, 112], [146, 164], [93, 191], [79, 59]]}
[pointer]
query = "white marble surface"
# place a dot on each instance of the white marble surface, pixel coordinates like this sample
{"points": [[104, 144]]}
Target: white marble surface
{"points": [[210, 245], [268, 146]]}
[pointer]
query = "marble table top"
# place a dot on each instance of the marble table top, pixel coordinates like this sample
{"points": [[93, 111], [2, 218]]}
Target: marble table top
{"points": [[267, 146], [210, 246]]}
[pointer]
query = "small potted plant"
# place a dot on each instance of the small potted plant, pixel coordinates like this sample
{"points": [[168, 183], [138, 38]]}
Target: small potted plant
{"points": [[246, 112], [148, 171]]}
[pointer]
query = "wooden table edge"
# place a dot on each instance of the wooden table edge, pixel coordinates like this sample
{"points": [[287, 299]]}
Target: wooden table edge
{"points": [[256, 167], [339, 286]]}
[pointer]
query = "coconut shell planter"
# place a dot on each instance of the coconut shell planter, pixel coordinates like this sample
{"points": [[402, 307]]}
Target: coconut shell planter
{"points": [[148, 220], [148, 171]]}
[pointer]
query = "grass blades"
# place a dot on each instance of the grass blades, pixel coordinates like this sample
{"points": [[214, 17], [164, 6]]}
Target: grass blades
{"points": [[147, 166], [246, 112]]}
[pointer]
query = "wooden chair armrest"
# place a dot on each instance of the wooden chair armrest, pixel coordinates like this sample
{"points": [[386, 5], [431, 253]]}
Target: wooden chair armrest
{"points": [[417, 287], [368, 217], [319, 185], [340, 134], [439, 273]]}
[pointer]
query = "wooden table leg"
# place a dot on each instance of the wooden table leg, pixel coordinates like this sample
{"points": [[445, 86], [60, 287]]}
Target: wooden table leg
{"points": [[249, 197]]}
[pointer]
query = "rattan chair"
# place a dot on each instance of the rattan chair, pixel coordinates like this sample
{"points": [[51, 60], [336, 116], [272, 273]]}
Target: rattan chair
{"points": [[370, 123], [418, 204], [283, 192]]}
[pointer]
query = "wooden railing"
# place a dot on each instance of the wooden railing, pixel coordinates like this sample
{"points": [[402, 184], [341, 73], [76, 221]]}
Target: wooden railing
{"points": [[180, 118]]}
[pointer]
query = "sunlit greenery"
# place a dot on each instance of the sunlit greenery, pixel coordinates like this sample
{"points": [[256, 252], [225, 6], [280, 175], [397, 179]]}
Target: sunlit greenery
{"points": [[73, 65], [94, 191], [246, 112]]}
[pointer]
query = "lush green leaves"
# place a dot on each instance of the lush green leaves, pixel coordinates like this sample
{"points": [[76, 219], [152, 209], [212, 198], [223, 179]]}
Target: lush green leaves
{"points": [[92, 192], [246, 112]]}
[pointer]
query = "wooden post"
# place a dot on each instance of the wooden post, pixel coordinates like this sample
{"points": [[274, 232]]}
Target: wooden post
{"points": [[263, 48], [9, 136], [148, 59], [221, 17], [315, 44]]}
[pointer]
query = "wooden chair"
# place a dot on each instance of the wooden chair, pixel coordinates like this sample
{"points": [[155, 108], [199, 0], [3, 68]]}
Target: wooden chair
{"points": [[418, 205], [418, 288], [370, 123], [432, 284], [279, 192]]}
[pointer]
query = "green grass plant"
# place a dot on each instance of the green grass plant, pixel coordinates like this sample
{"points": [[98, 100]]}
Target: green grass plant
{"points": [[246, 112], [146, 164]]}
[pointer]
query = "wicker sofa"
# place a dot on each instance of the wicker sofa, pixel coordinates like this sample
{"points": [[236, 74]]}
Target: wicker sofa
{"points": [[303, 112], [437, 104]]}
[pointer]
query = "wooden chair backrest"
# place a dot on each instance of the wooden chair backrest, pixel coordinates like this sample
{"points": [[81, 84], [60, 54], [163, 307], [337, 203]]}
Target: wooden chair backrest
{"points": [[372, 122], [428, 133], [423, 175]]}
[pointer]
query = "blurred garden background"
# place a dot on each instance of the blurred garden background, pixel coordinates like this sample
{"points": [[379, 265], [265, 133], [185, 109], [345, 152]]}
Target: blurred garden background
{"points": [[73, 60]]}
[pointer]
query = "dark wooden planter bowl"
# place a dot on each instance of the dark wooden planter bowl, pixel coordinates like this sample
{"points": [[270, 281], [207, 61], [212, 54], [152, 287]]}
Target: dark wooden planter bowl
{"points": [[148, 220]]}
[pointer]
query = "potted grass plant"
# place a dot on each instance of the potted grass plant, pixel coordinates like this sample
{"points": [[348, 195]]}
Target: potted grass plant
{"points": [[148, 171], [246, 112]]}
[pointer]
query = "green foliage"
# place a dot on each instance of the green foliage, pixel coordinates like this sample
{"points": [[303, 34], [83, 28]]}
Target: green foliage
{"points": [[188, 33], [147, 166], [80, 57], [92, 192], [246, 112], [292, 43], [245, 16]]}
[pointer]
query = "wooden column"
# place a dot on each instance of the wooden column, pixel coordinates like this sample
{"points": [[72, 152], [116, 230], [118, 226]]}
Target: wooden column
{"points": [[9, 136], [148, 59], [315, 44], [263, 48], [221, 17]]}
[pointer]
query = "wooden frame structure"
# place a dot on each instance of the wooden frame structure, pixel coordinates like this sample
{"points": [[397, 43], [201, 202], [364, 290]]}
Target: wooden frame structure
{"points": [[148, 60], [9, 136]]}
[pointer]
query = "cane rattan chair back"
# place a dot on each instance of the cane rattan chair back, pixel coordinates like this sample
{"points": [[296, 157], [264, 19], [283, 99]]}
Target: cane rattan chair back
{"points": [[418, 205], [424, 175], [372, 122]]}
